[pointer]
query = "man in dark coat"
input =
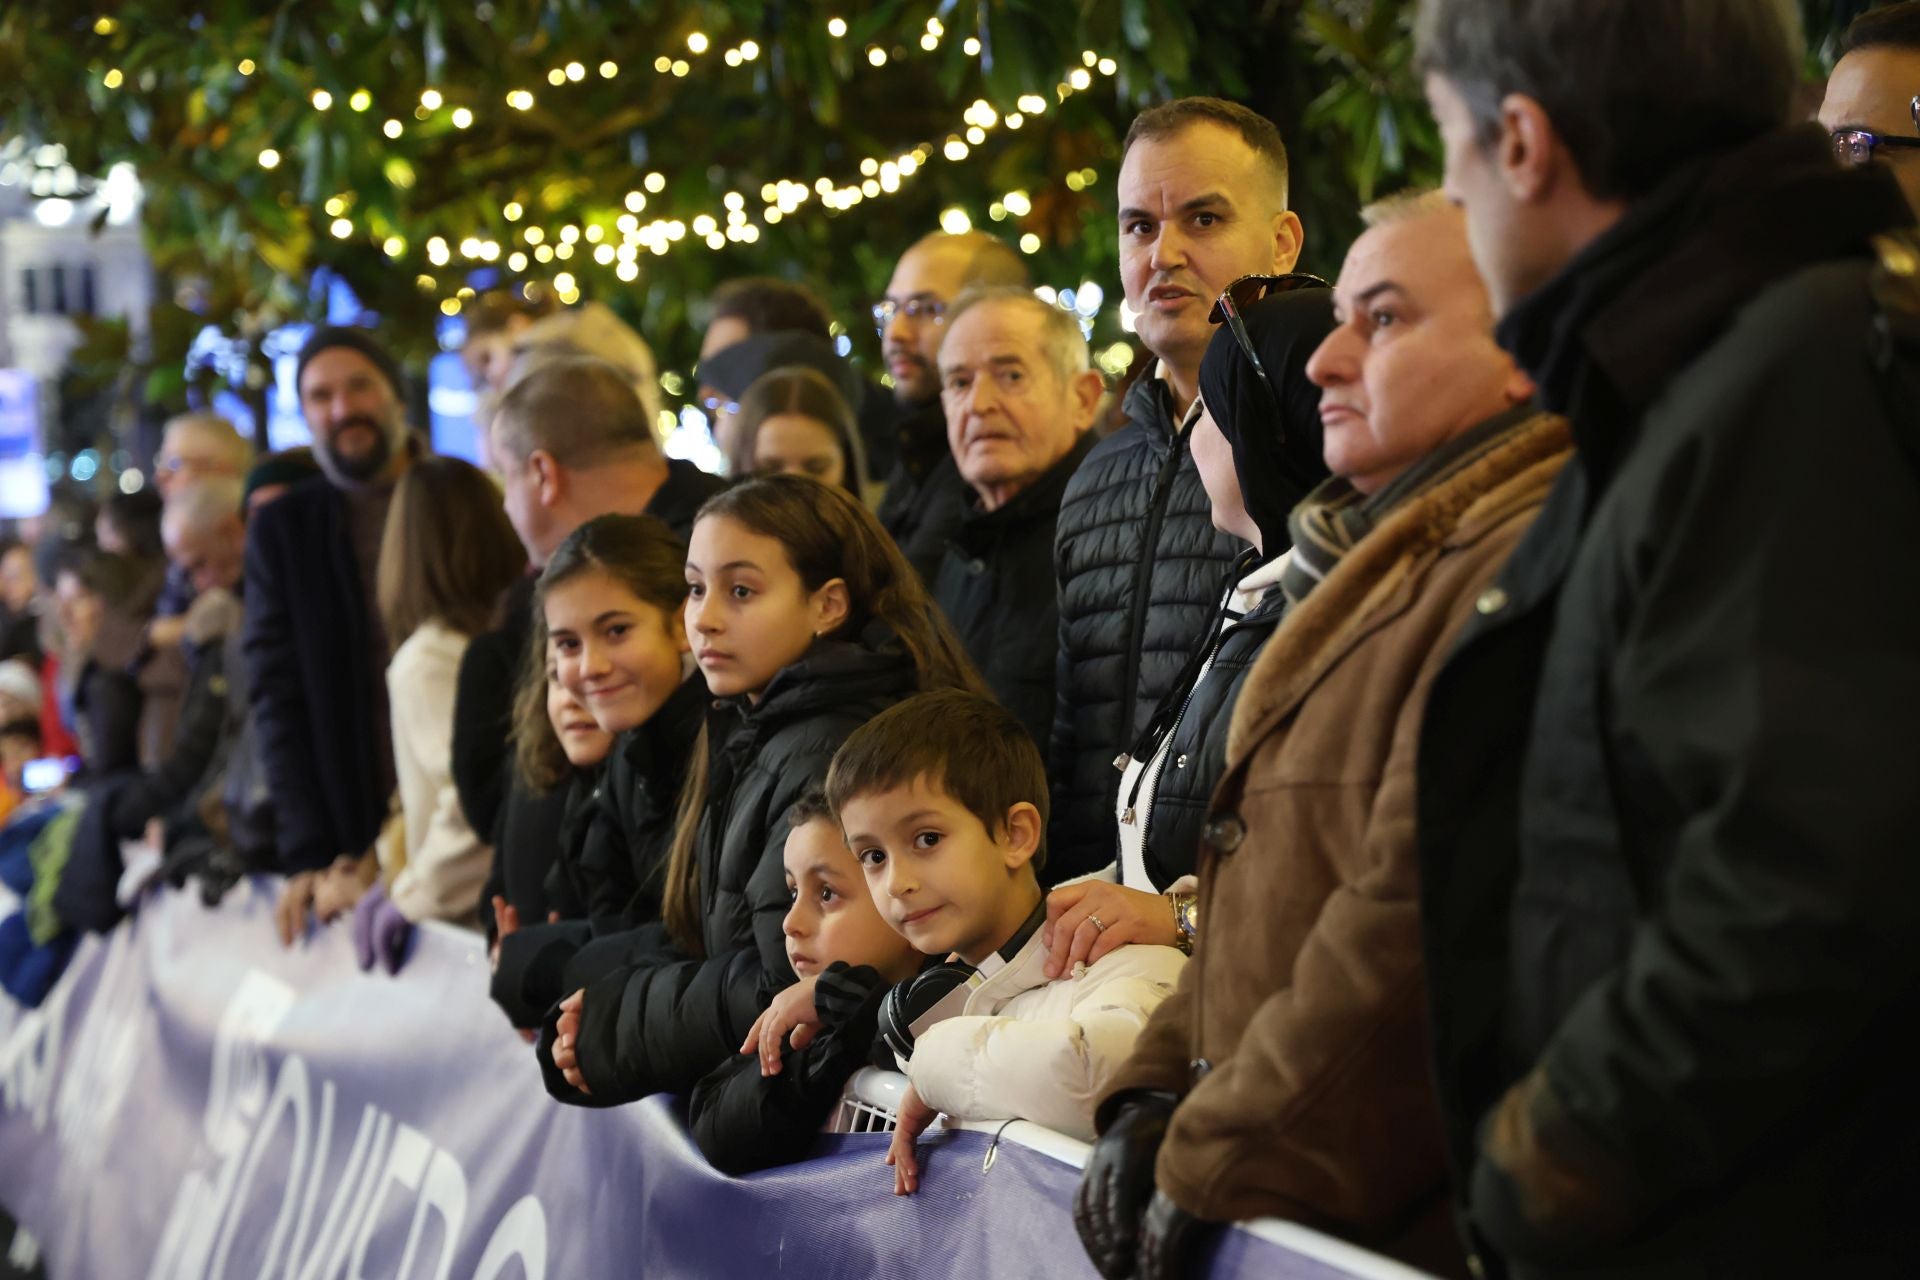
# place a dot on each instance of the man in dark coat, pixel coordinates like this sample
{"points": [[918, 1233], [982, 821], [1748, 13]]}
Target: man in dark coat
{"points": [[1667, 801], [313, 637], [924, 493], [1203, 202], [572, 441], [1019, 397]]}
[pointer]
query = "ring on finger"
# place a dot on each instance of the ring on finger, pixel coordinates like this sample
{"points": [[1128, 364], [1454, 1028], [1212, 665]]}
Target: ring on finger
{"points": [[1099, 925]]}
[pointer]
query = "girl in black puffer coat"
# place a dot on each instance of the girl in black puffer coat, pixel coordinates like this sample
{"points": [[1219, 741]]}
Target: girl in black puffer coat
{"points": [[607, 658], [806, 622]]}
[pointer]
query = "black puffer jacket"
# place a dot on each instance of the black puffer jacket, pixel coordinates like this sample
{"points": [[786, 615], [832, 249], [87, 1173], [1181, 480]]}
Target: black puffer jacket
{"points": [[1197, 714], [661, 1026], [1141, 569], [996, 587], [743, 1121], [610, 862]]}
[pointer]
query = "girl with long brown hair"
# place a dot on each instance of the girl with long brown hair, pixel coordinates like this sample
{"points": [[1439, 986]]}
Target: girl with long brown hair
{"points": [[806, 622]]}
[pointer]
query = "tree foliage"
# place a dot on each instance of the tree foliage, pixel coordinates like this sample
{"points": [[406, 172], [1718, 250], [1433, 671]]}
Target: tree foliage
{"points": [[197, 95]]}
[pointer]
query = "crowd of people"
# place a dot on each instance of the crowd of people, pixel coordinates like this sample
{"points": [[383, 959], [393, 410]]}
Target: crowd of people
{"points": [[1415, 775]]}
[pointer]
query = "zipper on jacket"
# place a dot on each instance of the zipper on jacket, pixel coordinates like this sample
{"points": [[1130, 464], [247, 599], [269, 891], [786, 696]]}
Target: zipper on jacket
{"points": [[1142, 592], [1146, 819]]}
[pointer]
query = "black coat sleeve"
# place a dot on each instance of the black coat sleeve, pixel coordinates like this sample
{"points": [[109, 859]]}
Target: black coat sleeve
{"points": [[196, 743], [283, 729], [108, 708], [482, 758], [743, 1121]]}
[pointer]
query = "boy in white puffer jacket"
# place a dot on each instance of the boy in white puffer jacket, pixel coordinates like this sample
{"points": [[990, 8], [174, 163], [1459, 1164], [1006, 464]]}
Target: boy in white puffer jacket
{"points": [[943, 799]]}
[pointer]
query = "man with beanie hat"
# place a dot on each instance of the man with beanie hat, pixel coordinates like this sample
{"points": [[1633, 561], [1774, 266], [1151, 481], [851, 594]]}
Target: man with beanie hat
{"points": [[313, 636]]}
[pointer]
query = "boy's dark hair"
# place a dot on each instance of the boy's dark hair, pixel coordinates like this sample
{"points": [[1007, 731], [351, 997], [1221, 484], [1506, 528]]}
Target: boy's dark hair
{"points": [[1254, 129], [1894, 26], [1636, 88], [770, 305], [967, 744], [811, 807]]}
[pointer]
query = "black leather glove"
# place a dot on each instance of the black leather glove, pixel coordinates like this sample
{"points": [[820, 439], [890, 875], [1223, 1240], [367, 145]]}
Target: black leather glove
{"points": [[1118, 1182], [1170, 1241], [908, 1000]]}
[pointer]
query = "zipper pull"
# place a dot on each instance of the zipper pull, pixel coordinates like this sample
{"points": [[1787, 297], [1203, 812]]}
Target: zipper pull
{"points": [[1126, 819], [1121, 761]]}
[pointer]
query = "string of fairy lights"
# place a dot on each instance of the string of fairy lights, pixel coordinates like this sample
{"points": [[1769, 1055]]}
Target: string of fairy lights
{"points": [[617, 238]]}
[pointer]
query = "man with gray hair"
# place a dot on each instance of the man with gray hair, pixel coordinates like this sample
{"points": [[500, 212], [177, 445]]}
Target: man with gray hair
{"points": [[1667, 805], [923, 496], [1019, 397]]}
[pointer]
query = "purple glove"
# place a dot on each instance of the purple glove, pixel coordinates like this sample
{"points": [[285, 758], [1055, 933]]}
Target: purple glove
{"points": [[379, 930]]}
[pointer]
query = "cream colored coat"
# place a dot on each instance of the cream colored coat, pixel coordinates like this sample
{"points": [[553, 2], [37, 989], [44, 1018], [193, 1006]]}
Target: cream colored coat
{"points": [[446, 863], [1024, 1048]]}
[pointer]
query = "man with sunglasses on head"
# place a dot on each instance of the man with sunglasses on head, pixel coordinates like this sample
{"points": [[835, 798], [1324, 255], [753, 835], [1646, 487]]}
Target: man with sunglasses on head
{"points": [[1872, 106], [924, 492], [1202, 204]]}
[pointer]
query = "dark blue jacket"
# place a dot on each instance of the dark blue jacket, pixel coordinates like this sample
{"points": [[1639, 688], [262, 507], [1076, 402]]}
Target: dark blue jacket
{"points": [[314, 695]]}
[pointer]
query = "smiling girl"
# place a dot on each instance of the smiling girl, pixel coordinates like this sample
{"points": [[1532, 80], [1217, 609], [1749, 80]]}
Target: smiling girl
{"points": [[806, 622], [610, 640]]}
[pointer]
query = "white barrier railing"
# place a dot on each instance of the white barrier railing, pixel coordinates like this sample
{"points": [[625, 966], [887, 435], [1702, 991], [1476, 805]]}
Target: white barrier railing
{"points": [[871, 1104]]}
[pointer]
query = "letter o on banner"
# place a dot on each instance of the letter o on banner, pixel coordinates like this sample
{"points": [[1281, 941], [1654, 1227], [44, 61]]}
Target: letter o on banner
{"points": [[291, 1094], [522, 1234]]}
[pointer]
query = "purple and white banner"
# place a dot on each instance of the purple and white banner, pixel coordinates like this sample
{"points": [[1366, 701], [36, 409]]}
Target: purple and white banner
{"points": [[194, 1101]]}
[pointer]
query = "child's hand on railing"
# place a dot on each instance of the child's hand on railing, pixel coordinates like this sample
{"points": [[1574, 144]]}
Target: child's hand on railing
{"points": [[915, 1116], [791, 1011], [566, 1034]]}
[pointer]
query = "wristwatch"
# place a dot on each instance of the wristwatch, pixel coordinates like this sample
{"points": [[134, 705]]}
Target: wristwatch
{"points": [[1186, 920]]}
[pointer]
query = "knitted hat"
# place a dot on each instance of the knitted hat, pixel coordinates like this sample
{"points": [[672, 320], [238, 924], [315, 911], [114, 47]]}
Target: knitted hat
{"points": [[361, 340]]}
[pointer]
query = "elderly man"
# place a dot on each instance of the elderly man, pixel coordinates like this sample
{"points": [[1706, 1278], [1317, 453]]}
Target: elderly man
{"points": [[1019, 397], [1302, 1092], [1203, 203], [923, 495], [195, 446], [1667, 812], [313, 638], [1872, 107]]}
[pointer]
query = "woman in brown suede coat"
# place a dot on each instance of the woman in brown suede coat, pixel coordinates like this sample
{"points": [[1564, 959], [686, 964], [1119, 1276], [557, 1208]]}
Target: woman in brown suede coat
{"points": [[1288, 1075]]}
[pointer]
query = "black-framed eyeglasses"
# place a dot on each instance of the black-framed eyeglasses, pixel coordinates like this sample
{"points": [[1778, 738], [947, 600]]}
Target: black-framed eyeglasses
{"points": [[1233, 302], [914, 309], [1857, 146]]}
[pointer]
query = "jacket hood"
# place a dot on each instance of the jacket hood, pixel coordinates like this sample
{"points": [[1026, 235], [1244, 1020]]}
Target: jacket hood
{"points": [[1652, 292]]}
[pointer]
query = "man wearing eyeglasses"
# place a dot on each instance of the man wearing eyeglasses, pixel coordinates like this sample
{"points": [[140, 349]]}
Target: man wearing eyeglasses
{"points": [[1872, 107], [924, 493], [1203, 204]]}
